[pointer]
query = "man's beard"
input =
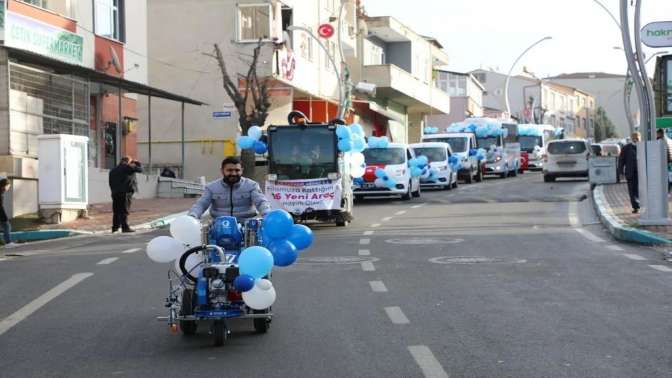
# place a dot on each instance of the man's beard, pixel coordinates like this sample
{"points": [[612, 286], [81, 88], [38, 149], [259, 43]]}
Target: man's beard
{"points": [[233, 179]]}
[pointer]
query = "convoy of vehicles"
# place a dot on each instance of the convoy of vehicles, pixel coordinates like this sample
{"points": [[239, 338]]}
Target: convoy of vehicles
{"points": [[438, 155]]}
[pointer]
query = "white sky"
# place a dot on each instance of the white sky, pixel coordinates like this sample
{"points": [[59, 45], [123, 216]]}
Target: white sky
{"points": [[492, 33]]}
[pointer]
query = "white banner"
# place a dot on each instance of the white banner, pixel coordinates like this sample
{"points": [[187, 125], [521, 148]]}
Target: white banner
{"points": [[297, 196]]}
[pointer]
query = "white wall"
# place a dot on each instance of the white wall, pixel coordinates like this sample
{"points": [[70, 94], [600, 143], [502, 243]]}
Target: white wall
{"points": [[82, 11], [99, 188], [135, 48]]}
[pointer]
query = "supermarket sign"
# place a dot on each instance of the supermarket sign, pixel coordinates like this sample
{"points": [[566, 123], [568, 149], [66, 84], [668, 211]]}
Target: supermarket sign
{"points": [[657, 34]]}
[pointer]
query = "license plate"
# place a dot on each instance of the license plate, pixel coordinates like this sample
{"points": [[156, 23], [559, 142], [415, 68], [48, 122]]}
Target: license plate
{"points": [[369, 186], [567, 162]]}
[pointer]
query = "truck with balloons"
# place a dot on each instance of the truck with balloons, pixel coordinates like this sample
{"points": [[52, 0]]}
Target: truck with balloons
{"points": [[471, 161], [533, 139], [222, 272], [311, 167]]}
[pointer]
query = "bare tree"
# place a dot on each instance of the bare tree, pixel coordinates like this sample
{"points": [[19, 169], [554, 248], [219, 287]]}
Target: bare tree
{"points": [[252, 99]]}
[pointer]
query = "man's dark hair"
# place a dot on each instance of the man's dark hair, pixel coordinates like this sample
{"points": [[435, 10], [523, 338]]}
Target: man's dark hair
{"points": [[4, 182], [125, 159], [230, 160]]}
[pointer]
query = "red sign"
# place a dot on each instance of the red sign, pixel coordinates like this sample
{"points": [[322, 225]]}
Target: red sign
{"points": [[325, 31]]}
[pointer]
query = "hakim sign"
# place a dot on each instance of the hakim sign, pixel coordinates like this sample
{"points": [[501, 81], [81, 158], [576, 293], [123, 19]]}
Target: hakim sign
{"points": [[657, 34], [27, 34]]}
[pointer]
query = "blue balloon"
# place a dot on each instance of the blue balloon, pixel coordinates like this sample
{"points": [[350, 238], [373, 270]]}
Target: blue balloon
{"points": [[243, 283], [278, 224], [254, 132], [391, 184], [453, 159], [357, 129], [284, 252], [380, 173], [416, 172], [423, 160], [255, 261], [343, 132], [301, 236], [383, 142], [345, 145], [260, 147], [245, 142], [358, 144]]}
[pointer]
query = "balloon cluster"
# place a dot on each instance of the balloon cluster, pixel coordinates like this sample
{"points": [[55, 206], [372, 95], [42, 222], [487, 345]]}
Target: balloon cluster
{"points": [[455, 163], [351, 139], [378, 142], [252, 141], [383, 180], [186, 234], [529, 130], [431, 130], [482, 127], [480, 153], [419, 166]]}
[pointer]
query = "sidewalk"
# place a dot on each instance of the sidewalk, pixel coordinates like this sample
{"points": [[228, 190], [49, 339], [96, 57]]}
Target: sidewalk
{"points": [[613, 207], [145, 214]]}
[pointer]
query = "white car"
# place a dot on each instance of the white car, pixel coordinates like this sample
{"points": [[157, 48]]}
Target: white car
{"points": [[566, 158], [438, 155], [394, 161]]}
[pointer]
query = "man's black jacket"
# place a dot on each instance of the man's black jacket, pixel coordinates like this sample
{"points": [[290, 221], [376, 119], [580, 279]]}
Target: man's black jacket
{"points": [[627, 161], [122, 178]]}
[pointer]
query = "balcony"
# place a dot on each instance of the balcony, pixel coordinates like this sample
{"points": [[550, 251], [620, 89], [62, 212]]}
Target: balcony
{"points": [[398, 85]]}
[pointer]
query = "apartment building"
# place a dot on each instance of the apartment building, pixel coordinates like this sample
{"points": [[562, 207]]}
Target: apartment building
{"points": [[466, 97]]}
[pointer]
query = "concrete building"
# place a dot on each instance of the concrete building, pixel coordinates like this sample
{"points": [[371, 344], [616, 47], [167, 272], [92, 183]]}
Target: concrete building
{"points": [[70, 67], [608, 92], [400, 63], [534, 100], [466, 97]]}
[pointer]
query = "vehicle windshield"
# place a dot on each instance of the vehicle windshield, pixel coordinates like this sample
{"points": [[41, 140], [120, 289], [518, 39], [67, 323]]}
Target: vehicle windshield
{"points": [[566, 148], [375, 156], [487, 142], [302, 153], [457, 144], [527, 143], [433, 154]]}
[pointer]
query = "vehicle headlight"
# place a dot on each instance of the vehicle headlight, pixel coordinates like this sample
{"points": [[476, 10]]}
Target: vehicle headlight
{"points": [[498, 158]]}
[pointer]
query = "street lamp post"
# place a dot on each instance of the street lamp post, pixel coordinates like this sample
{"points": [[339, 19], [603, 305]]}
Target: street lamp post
{"points": [[627, 90], [508, 77]]}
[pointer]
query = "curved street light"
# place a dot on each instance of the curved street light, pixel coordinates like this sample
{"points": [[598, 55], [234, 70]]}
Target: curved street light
{"points": [[508, 77]]}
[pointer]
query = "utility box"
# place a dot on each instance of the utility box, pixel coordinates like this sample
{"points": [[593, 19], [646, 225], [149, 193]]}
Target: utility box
{"points": [[63, 187], [603, 170]]}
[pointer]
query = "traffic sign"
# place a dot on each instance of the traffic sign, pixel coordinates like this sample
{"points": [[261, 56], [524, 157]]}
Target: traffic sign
{"points": [[325, 30], [657, 34], [221, 114]]}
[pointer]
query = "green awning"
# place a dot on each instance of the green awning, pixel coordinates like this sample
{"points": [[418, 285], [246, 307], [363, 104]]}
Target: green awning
{"points": [[664, 123]]}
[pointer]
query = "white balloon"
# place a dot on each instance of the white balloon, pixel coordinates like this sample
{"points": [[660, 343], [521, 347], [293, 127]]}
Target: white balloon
{"points": [[192, 261], [357, 158], [187, 230], [380, 183], [258, 299], [357, 171], [254, 132], [264, 284], [164, 249]]}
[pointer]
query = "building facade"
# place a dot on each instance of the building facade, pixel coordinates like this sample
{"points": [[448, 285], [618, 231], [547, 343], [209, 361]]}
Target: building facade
{"points": [[466, 97]]}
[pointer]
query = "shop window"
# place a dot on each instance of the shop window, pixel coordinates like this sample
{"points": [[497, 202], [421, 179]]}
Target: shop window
{"points": [[109, 19], [254, 22]]}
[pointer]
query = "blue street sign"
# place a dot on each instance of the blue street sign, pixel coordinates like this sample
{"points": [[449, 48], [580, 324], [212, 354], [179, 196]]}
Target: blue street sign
{"points": [[221, 114]]}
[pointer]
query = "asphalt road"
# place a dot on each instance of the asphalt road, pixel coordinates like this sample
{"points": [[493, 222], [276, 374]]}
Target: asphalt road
{"points": [[507, 278]]}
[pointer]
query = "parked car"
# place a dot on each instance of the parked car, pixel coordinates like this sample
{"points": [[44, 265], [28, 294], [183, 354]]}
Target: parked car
{"points": [[438, 154], [394, 161], [566, 158]]}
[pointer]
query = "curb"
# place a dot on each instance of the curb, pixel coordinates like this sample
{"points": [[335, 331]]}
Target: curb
{"points": [[617, 229], [40, 235]]}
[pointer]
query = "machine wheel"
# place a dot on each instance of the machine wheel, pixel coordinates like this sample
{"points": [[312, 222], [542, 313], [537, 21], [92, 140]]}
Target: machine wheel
{"points": [[407, 196], [188, 327], [219, 332], [341, 221], [549, 178], [261, 325], [454, 185], [470, 177]]}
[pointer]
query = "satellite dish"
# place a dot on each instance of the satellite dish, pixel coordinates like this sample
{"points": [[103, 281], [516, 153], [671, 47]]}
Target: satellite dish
{"points": [[115, 61]]}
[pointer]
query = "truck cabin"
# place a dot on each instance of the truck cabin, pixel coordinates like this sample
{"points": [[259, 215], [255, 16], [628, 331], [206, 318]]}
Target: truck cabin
{"points": [[302, 152]]}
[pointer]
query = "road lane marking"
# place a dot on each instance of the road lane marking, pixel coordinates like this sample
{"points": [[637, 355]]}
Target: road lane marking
{"points": [[386, 219], [378, 286], [364, 252], [25, 311], [396, 315], [589, 235], [661, 268], [107, 261], [430, 366], [573, 219], [417, 206], [3, 259], [367, 266], [402, 212], [364, 241], [615, 248], [132, 250], [368, 233], [375, 225], [634, 257]]}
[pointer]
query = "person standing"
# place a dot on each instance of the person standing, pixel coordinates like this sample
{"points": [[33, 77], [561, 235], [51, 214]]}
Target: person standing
{"points": [[4, 219], [627, 164], [122, 185]]}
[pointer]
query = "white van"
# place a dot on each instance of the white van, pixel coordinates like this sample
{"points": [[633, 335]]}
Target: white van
{"points": [[566, 158], [438, 155], [462, 144], [394, 160]]}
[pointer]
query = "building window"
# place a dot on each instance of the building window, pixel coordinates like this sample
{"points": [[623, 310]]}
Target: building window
{"points": [[109, 19], [331, 48], [306, 47], [37, 3], [254, 22]]}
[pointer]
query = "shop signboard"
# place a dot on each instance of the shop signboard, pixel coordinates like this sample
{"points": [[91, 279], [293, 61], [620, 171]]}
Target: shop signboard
{"points": [[657, 34]]}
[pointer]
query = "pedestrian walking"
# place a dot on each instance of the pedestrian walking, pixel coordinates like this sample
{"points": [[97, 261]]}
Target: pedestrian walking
{"points": [[627, 164], [123, 184], [4, 219]]}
